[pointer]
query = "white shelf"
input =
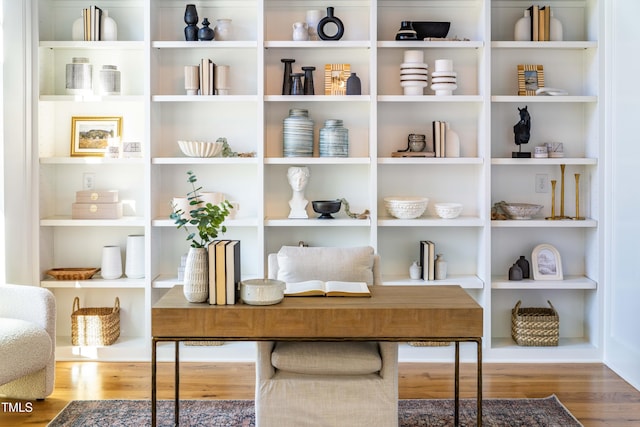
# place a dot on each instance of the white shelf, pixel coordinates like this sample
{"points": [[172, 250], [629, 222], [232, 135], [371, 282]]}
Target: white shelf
{"points": [[94, 45], [465, 281], [431, 98], [66, 221], [124, 349], [461, 221], [571, 282], [432, 44], [204, 98], [92, 98], [535, 223], [548, 161], [316, 44], [89, 161], [317, 98], [317, 160], [205, 160], [213, 44], [315, 222], [547, 45], [95, 283], [548, 99], [430, 161], [236, 222]]}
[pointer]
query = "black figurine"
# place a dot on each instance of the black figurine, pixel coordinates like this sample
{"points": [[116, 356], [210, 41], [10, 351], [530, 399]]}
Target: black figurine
{"points": [[522, 133]]}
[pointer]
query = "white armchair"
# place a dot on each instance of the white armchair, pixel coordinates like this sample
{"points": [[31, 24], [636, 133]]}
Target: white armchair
{"points": [[27, 341], [329, 384]]}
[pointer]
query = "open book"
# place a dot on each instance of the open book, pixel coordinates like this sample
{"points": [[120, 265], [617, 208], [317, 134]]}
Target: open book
{"points": [[331, 288]]}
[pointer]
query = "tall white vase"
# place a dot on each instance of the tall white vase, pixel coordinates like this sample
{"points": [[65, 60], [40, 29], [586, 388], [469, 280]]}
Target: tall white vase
{"points": [[134, 257], [196, 275], [111, 267]]}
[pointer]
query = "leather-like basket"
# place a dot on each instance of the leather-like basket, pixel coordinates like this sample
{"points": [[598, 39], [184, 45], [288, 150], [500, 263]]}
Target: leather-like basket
{"points": [[95, 326], [535, 326]]}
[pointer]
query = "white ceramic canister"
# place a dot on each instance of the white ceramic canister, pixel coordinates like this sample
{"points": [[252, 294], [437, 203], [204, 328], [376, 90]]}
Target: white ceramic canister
{"points": [[313, 17], [522, 29], [111, 267], [109, 80], [109, 27], [300, 31], [191, 79], [222, 31], [79, 77], [262, 291], [134, 256]]}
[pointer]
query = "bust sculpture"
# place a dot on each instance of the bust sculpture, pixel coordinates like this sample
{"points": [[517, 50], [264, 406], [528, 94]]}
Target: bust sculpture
{"points": [[522, 133], [298, 177]]}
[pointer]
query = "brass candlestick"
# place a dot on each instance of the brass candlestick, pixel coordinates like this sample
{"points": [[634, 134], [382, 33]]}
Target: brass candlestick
{"points": [[562, 215], [578, 217], [553, 200]]}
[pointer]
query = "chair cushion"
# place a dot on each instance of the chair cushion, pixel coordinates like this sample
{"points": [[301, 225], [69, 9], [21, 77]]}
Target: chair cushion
{"points": [[353, 264], [327, 358], [24, 348]]}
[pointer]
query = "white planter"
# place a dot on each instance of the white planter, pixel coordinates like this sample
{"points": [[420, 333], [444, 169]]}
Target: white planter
{"points": [[196, 275]]}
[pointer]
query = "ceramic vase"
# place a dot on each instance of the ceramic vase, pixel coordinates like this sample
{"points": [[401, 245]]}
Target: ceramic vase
{"points": [[298, 134], [111, 267], [332, 21], [515, 272], [452, 143], [191, 19], [441, 268], [354, 87], [77, 29], [109, 80], [109, 28], [221, 80], [522, 29], [300, 31], [79, 77], [297, 87], [287, 81], [222, 29], [134, 257], [308, 80], [334, 139], [191, 79], [524, 266], [555, 29], [205, 33], [415, 271], [313, 17], [196, 275]]}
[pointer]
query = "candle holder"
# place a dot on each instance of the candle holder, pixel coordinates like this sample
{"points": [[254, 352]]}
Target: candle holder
{"points": [[578, 217], [553, 201]]}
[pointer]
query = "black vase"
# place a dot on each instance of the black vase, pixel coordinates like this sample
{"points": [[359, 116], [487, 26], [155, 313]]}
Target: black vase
{"points": [[515, 272], [205, 33], [330, 19], [191, 19], [296, 87], [287, 81], [524, 266], [353, 85], [308, 80]]}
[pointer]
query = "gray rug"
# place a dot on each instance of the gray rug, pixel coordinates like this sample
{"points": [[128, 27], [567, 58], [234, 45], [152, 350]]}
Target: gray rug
{"points": [[547, 412]]}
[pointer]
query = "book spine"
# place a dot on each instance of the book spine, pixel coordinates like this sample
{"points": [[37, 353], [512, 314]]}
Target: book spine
{"points": [[221, 280], [212, 272]]}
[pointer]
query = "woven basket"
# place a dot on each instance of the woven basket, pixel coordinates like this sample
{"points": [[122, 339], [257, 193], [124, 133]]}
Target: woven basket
{"points": [[538, 327], [93, 326], [429, 343]]}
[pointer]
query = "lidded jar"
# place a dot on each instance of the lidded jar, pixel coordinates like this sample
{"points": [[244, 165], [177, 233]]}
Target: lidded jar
{"points": [[79, 77], [334, 139], [297, 134], [109, 80]]}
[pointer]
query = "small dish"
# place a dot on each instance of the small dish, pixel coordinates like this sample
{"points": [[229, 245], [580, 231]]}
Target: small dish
{"points": [[448, 210], [262, 291]]}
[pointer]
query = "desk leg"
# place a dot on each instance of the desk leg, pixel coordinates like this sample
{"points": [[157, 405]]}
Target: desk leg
{"points": [[177, 384], [154, 396], [456, 386], [479, 379]]}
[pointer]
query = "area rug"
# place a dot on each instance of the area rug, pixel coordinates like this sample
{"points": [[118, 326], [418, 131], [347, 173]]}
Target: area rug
{"points": [[547, 412]]}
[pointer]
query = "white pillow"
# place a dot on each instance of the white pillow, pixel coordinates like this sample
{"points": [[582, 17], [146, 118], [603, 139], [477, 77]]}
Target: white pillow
{"points": [[354, 264]]}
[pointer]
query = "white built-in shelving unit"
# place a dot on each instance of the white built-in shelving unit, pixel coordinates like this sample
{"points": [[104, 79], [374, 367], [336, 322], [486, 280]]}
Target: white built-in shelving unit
{"points": [[151, 53]]}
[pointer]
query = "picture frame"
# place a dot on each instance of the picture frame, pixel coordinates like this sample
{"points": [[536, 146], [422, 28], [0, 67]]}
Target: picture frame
{"points": [[547, 263], [335, 78], [530, 79], [90, 135]]}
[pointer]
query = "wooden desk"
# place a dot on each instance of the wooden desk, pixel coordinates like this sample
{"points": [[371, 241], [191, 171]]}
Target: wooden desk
{"points": [[393, 313]]}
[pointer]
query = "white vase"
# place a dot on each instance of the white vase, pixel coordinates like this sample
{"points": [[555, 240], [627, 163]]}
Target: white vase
{"points": [[134, 257], [222, 30], [441, 268], [452, 143], [77, 30], [313, 17], [522, 29], [196, 275], [415, 271], [555, 29], [111, 267], [109, 27]]}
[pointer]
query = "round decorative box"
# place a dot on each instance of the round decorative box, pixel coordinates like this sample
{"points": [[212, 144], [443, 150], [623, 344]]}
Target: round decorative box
{"points": [[109, 80], [79, 77]]}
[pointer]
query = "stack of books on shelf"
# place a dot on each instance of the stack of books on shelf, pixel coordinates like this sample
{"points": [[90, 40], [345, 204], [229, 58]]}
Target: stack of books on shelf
{"points": [[207, 74], [92, 17], [540, 22], [224, 271], [440, 137], [427, 259]]}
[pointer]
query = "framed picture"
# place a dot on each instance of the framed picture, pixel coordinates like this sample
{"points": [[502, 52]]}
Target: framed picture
{"points": [[335, 78], [547, 264], [530, 79], [90, 135]]}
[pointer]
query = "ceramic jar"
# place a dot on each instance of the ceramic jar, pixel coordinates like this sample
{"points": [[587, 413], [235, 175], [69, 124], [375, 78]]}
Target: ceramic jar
{"points": [[308, 80], [191, 19], [287, 81], [300, 31], [313, 17], [111, 267], [109, 80], [334, 139], [415, 271], [109, 28], [79, 77], [440, 267], [524, 266], [298, 134], [297, 88], [134, 257], [522, 29], [196, 275], [354, 86], [223, 29], [205, 33]]}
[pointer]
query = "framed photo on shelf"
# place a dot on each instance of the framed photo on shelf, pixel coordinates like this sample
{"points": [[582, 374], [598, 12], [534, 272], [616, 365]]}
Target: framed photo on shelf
{"points": [[335, 78], [90, 135], [530, 79], [547, 264]]}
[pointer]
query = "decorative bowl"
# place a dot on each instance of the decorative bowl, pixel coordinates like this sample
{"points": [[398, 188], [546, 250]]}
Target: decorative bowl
{"points": [[201, 148], [326, 207], [406, 207], [448, 210], [262, 291], [80, 273], [426, 29], [520, 210]]}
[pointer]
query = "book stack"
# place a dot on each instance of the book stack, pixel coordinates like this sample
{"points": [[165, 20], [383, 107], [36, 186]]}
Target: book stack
{"points": [[440, 137], [428, 259], [207, 77], [224, 271], [540, 22], [92, 18]]}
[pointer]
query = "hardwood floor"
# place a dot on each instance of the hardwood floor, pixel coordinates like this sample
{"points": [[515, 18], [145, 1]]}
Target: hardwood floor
{"points": [[592, 392]]}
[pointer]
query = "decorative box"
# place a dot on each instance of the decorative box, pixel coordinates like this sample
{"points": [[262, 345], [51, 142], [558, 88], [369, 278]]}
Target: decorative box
{"points": [[96, 210], [97, 196]]}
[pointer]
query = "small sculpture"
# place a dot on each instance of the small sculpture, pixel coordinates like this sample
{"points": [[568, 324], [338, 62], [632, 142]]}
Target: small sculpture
{"points": [[522, 133], [298, 177]]}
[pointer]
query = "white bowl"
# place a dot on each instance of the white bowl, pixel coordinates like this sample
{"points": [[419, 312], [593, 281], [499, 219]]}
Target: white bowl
{"points": [[201, 148], [521, 210], [262, 291], [448, 210], [406, 207]]}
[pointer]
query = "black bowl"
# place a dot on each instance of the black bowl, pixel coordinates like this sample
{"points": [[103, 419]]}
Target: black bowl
{"points": [[426, 29], [326, 207]]}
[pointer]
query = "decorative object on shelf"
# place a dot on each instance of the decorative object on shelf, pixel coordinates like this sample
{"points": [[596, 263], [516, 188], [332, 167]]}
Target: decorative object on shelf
{"points": [[73, 273], [330, 22], [191, 19], [234, 209], [551, 91], [524, 266], [553, 197], [77, 29], [109, 28], [95, 326], [522, 133], [313, 18], [300, 31], [354, 86], [578, 217], [444, 79], [497, 213], [90, 135], [414, 73], [441, 267], [96, 204], [452, 142], [535, 326], [415, 271], [262, 291], [113, 148], [223, 30], [515, 272], [131, 149], [109, 80], [298, 177], [200, 148], [111, 262], [406, 207], [522, 29], [79, 77], [297, 88], [520, 210], [553, 200], [530, 79], [287, 81], [555, 150], [448, 210], [196, 275], [134, 256], [205, 33], [181, 204], [540, 152], [191, 79], [334, 139], [335, 78], [555, 28], [547, 264], [431, 29], [406, 31], [308, 80], [416, 142], [326, 207], [221, 80], [347, 210], [298, 134]]}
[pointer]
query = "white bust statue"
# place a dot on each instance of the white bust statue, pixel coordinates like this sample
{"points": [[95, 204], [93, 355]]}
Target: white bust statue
{"points": [[298, 177]]}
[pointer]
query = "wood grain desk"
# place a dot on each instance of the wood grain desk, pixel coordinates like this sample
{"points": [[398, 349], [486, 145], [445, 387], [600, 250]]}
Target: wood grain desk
{"points": [[393, 313]]}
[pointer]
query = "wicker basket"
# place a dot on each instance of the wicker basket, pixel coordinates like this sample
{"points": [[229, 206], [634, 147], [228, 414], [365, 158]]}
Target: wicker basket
{"points": [[429, 343], [93, 326], [535, 326]]}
